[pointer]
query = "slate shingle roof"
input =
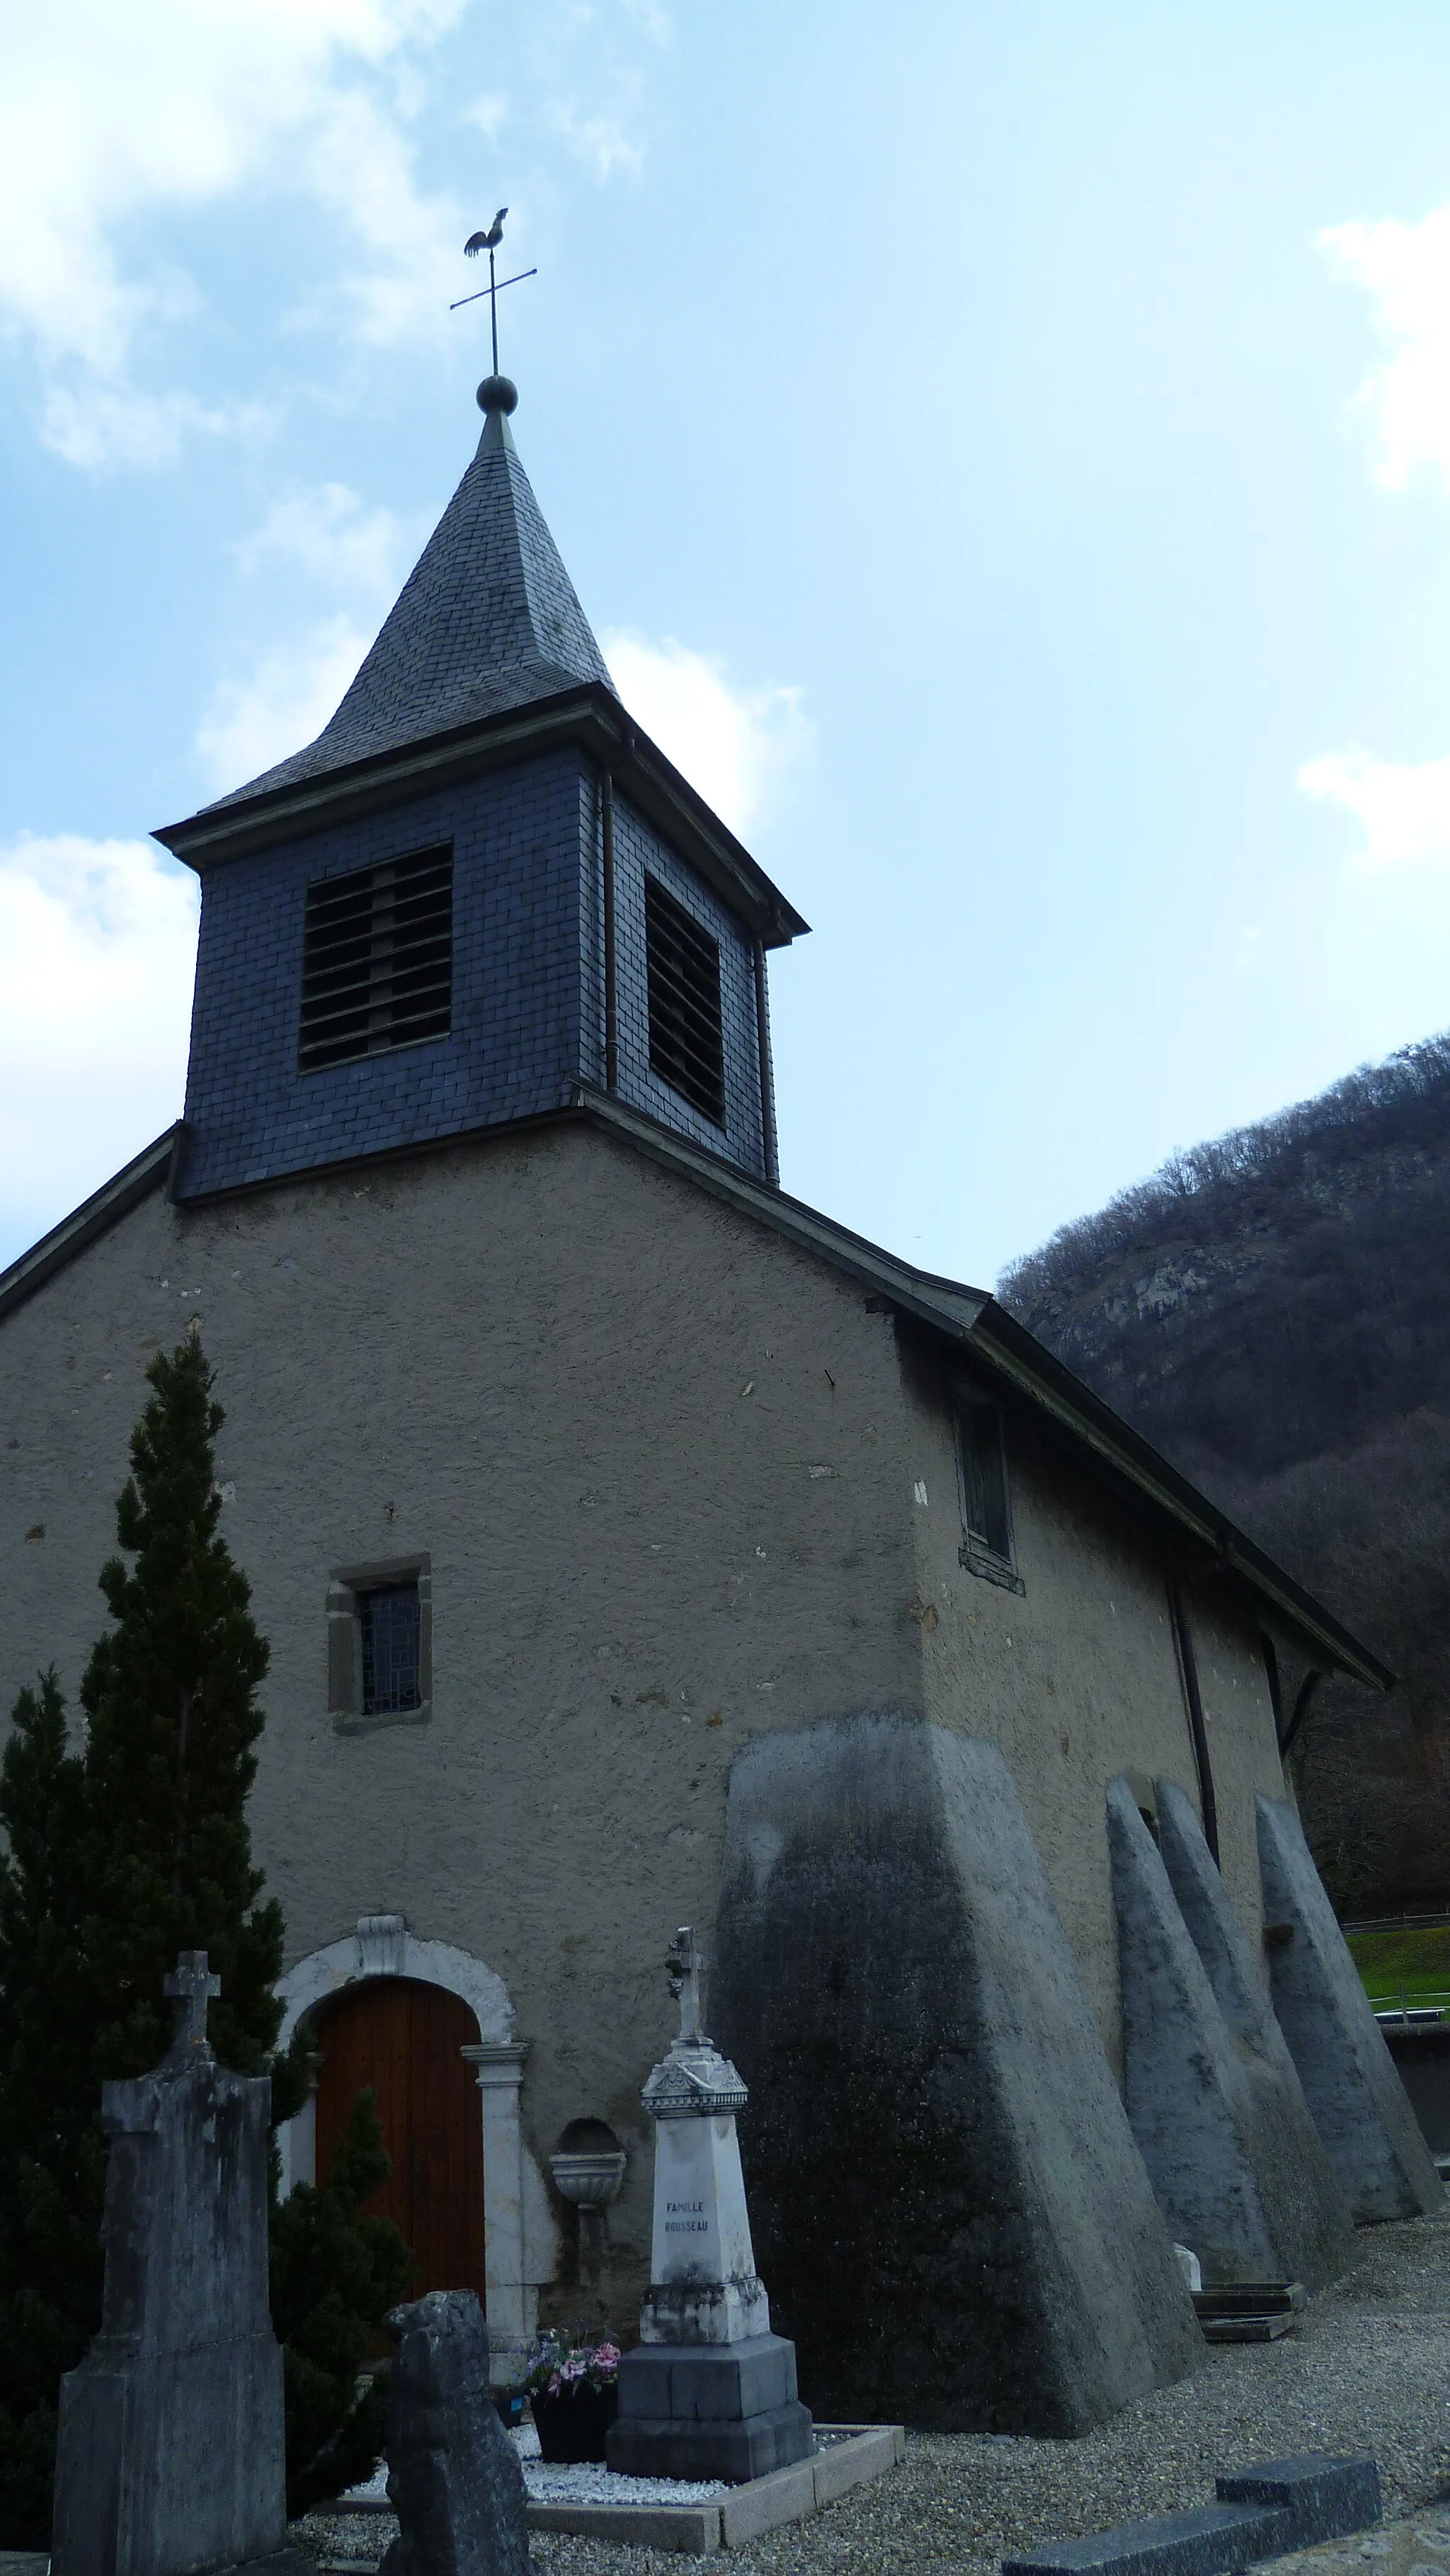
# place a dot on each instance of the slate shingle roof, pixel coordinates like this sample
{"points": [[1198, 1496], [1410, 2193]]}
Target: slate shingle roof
{"points": [[488, 619]]}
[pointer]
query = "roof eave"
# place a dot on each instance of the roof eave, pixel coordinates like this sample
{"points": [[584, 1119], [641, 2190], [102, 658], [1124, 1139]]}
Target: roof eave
{"points": [[1214, 1543], [590, 716], [148, 1170]]}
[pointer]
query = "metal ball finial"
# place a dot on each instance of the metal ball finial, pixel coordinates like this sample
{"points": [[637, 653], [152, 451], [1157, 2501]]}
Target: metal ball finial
{"points": [[498, 393]]}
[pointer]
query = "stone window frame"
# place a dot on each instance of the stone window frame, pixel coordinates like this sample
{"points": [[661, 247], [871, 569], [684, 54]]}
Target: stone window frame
{"points": [[344, 1641], [976, 1554]]}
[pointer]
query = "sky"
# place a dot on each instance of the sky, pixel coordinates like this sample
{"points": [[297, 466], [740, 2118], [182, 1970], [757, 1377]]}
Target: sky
{"points": [[1005, 456]]}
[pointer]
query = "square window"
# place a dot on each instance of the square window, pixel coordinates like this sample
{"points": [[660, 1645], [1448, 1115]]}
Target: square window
{"points": [[986, 1547], [380, 1645], [391, 1636]]}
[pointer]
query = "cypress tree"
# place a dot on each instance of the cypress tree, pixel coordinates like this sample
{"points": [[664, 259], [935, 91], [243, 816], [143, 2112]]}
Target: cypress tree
{"points": [[52, 2163], [171, 1696], [119, 1857]]}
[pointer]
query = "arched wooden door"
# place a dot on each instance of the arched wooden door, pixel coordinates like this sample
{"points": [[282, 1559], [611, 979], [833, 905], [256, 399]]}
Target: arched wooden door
{"points": [[404, 2038]]}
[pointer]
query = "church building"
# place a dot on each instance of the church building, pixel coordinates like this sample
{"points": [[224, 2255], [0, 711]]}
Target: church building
{"points": [[637, 1548]]}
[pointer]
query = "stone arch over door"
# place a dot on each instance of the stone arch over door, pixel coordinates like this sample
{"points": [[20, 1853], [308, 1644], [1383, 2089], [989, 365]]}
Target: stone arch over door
{"points": [[519, 2244]]}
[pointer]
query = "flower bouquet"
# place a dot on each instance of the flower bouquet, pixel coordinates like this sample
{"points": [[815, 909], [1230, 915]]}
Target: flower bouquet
{"points": [[574, 2396]]}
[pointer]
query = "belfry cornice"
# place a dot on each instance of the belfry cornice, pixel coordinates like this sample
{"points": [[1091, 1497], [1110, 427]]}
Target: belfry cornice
{"points": [[589, 716]]}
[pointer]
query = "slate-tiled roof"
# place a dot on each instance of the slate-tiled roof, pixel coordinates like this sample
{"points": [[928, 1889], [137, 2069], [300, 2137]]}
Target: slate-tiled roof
{"points": [[488, 619]]}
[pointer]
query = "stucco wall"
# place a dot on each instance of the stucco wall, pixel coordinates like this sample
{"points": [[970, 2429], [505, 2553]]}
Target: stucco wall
{"points": [[1077, 1677], [663, 1465]]}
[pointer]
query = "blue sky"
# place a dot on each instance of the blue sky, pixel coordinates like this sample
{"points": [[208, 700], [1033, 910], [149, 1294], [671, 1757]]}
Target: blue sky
{"points": [[1005, 455]]}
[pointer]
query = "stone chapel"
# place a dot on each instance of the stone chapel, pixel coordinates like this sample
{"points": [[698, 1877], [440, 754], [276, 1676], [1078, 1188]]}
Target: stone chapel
{"points": [[638, 1547]]}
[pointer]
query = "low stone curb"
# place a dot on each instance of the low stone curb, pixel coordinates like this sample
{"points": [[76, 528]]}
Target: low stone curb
{"points": [[859, 2452], [1262, 2512]]}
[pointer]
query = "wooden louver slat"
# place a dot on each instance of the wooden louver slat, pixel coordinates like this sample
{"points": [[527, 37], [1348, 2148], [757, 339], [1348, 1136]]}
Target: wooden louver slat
{"points": [[686, 1033], [377, 959]]}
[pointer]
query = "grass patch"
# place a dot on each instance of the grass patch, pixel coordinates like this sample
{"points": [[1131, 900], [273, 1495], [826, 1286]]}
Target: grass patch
{"points": [[1416, 1963]]}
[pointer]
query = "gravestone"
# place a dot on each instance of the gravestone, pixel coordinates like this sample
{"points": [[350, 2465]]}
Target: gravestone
{"points": [[170, 2459], [454, 2478], [709, 2391]]}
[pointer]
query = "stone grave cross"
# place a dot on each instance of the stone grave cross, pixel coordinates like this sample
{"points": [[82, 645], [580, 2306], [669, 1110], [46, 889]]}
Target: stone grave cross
{"points": [[192, 1989]]}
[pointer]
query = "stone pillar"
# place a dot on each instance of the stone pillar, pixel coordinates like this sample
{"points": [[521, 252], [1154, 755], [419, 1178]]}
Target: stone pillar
{"points": [[170, 2459], [511, 2301], [709, 2391]]}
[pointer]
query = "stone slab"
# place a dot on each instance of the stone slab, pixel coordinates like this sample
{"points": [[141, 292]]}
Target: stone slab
{"points": [[23, 2562], [765, 2503], [857, 2452], [1247, 2328], [850, 2464], [691, 2527], [1212, 2540], [1324, 2498]]}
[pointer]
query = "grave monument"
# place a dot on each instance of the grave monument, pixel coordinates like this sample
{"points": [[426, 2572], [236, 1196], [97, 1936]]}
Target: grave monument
{"points": [[453, 2474], [709, 2391], [170, 2459]]}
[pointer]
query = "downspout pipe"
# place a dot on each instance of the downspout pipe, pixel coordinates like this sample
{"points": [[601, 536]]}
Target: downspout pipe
{"points": [[611, 988], [1188, 1662], [770, 1150]]}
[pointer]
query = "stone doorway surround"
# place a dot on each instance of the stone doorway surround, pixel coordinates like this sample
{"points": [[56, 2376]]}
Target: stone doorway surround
{"points": [[520, 2240]]}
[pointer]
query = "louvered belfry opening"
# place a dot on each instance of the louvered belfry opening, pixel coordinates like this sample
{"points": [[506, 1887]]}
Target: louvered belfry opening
{"points": [[686, 1038], [377, 959]]}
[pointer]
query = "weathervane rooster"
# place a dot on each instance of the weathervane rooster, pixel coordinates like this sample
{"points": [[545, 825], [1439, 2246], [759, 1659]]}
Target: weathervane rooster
{"points": [[489, 241], [486, 241]]}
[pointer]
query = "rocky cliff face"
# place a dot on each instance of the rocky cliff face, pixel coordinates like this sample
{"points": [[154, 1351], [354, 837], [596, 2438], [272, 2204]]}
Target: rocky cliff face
{"points": [[1273, 1311]]}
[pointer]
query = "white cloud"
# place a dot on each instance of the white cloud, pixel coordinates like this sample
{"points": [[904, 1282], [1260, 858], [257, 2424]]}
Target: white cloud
{"points": [[281, 705], [601, 141], [732, 744], [112, 115], [1403, 807], [97, 948], [487, 112], [1406, 268], [331, 533]]}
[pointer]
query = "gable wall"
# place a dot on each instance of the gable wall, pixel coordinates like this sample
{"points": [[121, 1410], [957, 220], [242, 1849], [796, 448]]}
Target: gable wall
{"points": [[663, 1465], [527, 1358]]}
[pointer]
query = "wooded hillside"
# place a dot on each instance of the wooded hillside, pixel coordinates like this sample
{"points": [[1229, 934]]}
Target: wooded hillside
{"points": [[1272, 1310]]}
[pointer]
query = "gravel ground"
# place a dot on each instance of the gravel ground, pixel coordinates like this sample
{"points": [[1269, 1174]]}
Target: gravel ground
{"points": [[1367, 2368]]}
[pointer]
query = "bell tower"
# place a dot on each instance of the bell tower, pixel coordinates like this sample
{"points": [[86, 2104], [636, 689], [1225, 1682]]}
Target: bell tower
{"points": [[480, 895]]}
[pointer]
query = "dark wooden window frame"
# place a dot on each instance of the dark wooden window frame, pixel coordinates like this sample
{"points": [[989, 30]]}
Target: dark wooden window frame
{"points": [[988, 1548], [345, 1645]]}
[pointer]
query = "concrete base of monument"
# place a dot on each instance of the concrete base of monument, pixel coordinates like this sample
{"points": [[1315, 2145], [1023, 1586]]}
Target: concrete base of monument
{"points": [[847, 2456], [700, 2410]]}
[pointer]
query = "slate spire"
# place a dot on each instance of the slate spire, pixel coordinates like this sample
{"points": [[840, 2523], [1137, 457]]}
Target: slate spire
{"points": [[488, 619]]}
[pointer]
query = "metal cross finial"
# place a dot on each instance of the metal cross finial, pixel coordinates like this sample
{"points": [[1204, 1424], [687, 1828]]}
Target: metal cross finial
{"points": [[489, 241], [192, 1988], [685, 1964]]}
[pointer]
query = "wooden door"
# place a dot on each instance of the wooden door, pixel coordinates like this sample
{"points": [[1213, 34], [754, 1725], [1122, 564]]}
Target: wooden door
{"points": [[404, 2038]]}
